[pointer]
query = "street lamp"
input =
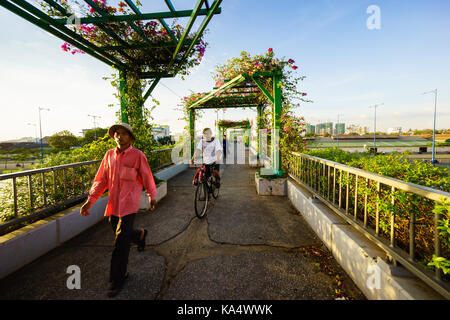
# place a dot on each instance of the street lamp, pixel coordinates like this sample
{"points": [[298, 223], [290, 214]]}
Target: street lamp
{"points": [[337, 132], [433, 156], [95, 125], [375, 126], [40, 129]]}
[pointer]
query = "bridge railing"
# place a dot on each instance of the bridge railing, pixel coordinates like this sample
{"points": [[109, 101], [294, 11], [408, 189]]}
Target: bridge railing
{"points": [[396, 215], [26, 196]]}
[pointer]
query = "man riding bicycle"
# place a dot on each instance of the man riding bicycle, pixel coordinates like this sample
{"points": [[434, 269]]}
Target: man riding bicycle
{"points": [[212, 152]]}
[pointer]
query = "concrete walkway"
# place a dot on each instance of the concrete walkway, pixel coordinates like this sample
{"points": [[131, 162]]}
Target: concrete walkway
{"points": [[248, 247]]}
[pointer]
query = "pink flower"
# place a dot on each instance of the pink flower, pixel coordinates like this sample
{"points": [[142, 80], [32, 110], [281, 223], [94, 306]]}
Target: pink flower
{"points": [[66, 46], [303, 94]]}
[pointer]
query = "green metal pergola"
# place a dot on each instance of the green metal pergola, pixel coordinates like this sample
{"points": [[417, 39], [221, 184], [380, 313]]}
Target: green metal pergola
{"points": [[223, 125], [177, 50], [240, 92]]}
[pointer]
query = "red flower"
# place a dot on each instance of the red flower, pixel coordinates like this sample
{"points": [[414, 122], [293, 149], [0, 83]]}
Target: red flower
{"points": [[291, 61], [294, 67], [270, 50]]}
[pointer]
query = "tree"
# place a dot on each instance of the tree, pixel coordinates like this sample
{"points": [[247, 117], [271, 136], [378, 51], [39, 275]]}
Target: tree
{"points": [[166, 140], [63, 140], [93, 134]]}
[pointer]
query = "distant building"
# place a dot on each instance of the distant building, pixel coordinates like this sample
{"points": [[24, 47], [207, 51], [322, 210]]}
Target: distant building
{"points": [[310, 128], [339, 128], [160, 131], [396, 130], [324, 128], [83, 132], [355, 128]]}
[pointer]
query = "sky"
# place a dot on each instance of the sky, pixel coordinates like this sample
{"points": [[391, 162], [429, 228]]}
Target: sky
{"points": [[348, 67]]}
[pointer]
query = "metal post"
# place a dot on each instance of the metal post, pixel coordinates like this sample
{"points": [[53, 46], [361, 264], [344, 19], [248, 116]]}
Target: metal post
{"points": [[365, 201], [375, 126], [437, 243], [15, 196], [392, 242], [276, 124], [377, 212], [30, 190], [44, 188], [412, 236], [433, 160], [40, 130], [337, 133], [192, 130], [356, 198], [433, 156], [123, 90], [95, 125]]}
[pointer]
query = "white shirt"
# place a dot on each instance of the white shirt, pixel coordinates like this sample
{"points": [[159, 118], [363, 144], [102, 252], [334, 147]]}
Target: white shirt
{"points": [[209, 149]]}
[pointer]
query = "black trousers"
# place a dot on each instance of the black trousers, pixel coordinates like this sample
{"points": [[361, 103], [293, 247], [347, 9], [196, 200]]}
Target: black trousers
{"points": [[125, 234], [210, 167]]}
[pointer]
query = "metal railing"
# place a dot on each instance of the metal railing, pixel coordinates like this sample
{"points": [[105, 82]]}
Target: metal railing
{"points": [[160, 159], [380, 208], [29, 195]]}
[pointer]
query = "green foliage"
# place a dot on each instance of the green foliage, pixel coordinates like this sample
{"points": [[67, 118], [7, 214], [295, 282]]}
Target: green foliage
{"points": [[165, 141], [63, 140], [395, 165], [91, 134], [443, 209]]}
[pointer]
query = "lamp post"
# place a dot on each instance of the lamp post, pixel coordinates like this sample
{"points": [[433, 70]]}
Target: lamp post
{"points": [[337, 133], [40, 130], [95, 125], [375, 126], [433, 155]]}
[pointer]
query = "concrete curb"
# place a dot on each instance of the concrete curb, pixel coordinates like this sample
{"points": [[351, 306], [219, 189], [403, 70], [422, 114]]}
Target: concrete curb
{"points": [[24, 245], [363, 261], [169, 172]]}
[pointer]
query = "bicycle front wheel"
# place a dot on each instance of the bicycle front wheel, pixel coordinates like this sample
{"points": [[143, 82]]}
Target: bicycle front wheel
{"points": [[214, 189], [201, 199]]}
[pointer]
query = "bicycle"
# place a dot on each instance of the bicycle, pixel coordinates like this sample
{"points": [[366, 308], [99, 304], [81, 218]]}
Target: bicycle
{"points": [[204, 188]]}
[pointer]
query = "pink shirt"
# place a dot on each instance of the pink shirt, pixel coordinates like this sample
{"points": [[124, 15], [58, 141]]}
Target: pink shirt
{"points": [[123, 174]]}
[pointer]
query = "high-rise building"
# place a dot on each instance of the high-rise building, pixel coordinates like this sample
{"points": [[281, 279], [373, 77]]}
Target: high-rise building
{"points": [[324, 128], [339, 128], [356, 128], [310, 128]]}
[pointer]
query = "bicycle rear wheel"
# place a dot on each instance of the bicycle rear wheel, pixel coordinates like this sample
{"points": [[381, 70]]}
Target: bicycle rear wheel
{"points": [[201, 199]]}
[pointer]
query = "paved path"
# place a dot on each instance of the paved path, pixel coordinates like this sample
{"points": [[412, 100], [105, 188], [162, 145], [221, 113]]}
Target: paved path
{"points": [[248, 247]]}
